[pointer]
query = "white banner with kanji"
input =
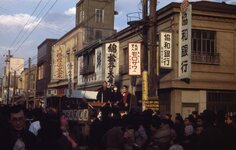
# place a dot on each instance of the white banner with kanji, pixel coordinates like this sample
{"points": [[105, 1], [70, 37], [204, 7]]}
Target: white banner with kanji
{"points": [[166, 49], [185, 27], [134, 59], [111, 61]]}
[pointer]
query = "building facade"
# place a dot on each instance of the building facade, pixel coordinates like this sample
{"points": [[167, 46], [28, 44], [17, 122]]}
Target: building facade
{"points": [[27, 86], [94, 20], [213, 77], [43, 65]]}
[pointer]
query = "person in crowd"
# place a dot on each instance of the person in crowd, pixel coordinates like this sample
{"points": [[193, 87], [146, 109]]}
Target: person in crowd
{"points": [[65, 131], [126, 98], [211, 135], [113, 138], [116, 96], [161, 134], [35, 125], [179, 128], [176, 145], [50, 135], [18, 137], [188, 133], [104, 94], [140, 134]]}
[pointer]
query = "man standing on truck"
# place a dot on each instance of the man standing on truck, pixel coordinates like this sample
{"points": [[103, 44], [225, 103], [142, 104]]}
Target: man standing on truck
{"points": [[104, 94]]}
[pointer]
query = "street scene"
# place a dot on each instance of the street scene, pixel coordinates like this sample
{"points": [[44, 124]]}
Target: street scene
{"points": [[118, 75]]}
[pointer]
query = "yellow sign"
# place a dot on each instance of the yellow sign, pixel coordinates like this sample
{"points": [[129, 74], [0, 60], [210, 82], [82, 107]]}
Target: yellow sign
{"points": [[145, 85], [151, 104]]}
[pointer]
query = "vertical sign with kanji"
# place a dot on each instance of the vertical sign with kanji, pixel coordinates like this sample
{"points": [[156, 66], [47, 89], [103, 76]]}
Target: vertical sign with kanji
{"points": [[111, 61], [166, 48], [134, 59], [59, 62], [185, 27]]}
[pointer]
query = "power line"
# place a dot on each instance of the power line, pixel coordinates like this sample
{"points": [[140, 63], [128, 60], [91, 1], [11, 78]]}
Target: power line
{"points": [[35, 27], [33, 21], [24, 25], [57, 30]]}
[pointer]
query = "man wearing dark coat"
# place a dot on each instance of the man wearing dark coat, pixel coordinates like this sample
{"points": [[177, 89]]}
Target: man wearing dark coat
{"points": [[104, 94]]}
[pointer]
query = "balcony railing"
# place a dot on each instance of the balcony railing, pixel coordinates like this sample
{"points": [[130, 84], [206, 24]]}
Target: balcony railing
{"points": [[206, 58], [87, 70]]}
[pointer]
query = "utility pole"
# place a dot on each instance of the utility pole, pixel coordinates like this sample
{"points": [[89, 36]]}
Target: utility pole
{"points": [[14, 88], [153, 91], [8, 76], [145, 54], [28, 84]]}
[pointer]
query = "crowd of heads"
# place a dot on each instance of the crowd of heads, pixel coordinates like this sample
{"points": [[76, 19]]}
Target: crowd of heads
{"points": [[111, 129]]}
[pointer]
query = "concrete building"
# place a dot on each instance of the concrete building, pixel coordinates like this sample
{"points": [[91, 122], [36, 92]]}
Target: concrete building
{"points": [[24, 84], [213, 76], [94, 20], [43, 67]]}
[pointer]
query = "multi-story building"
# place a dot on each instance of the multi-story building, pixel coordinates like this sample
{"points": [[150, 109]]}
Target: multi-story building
{"points": [[27, 89], [213, 77], [13, 66], [94, 20], [43, 67]]}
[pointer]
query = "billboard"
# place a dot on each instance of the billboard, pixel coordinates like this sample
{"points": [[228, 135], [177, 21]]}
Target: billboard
{"points": [[59, 62], [111, 61], [166, 50], [185, 28], [134, 59], [16, 64]]}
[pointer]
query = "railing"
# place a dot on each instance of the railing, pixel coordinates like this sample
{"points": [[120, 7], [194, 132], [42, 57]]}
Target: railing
{"points": [[206, 58], [87, 70], [134, 17]]}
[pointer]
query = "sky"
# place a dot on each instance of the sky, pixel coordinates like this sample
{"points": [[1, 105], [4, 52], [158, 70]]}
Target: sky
{"points": [[25, 24]]}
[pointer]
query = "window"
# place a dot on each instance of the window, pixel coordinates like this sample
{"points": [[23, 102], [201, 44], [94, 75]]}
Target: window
{"points": [[126, 61], [81, 16], [99, 15], [40, 72], [203, 42], [98, 34], [204, 47]]}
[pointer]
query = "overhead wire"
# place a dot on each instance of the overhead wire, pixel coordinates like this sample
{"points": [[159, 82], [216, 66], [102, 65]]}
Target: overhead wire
{"points": [[25, 24], [35, 27], [34, 20]]}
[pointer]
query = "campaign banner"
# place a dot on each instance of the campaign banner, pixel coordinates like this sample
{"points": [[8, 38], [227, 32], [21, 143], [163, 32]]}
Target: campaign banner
{"points": [[166, 50], [185, 29], [134, 59]]}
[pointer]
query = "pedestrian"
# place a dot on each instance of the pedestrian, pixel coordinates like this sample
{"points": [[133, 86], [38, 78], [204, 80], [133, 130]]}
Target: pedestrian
{"points": [[126, 99], [19, 137], [37, 117], [50, 135], [104, 93], [65, 130], [116, 96]]}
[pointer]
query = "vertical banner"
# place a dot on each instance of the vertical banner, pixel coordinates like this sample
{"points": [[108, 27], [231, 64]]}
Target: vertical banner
{"points": [[145, 85], [59, 62], [80, 66], [70, 74], [185, 27], [166, 50], [111, 61], [98, 63], [134, 59]]}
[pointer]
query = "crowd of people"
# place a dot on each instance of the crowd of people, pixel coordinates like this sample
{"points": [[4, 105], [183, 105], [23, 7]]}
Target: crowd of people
{"points": [[115, 96], [111, 130]]}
